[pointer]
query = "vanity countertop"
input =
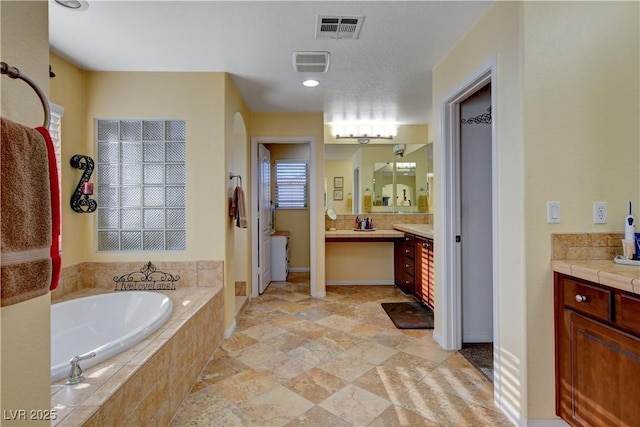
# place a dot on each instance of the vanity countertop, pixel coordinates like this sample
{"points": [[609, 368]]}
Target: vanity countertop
{"points": [[353, 234], [605, 272], [422, 230]]}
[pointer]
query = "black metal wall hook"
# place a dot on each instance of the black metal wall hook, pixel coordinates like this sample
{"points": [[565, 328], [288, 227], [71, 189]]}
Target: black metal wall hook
{"points": [[80, 201]]}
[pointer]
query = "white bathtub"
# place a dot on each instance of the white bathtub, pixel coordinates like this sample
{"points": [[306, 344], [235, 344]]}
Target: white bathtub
{"points": [[106, 324]]}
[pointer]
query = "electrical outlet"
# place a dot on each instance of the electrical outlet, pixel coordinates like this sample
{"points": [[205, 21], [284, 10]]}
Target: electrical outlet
{"points": [[599, 212]]}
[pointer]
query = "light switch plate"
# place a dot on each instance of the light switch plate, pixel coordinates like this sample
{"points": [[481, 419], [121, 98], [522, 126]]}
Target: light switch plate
{"points": [[553, 212]]}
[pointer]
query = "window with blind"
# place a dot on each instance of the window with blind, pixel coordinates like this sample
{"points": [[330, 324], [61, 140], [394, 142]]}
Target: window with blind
{"points": [[291, 184], [55, 130]]}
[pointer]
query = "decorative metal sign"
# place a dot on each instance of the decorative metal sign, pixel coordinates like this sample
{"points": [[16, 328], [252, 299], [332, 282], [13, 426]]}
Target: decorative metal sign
{"points": [[482, 118], [148, 278], [80, 201]]}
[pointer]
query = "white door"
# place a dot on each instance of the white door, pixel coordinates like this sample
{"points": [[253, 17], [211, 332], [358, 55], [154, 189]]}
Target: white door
{"points": [[264, 218], [476, 220]]}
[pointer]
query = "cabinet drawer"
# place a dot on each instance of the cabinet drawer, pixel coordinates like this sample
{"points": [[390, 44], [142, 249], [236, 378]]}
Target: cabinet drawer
{"points": [[409, 266], [409, 252], [407, 279], [587, 299], [628, 312]]}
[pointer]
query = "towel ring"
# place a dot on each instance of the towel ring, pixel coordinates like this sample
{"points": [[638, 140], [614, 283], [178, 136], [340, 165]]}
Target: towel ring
{"points": [[14, 73]]}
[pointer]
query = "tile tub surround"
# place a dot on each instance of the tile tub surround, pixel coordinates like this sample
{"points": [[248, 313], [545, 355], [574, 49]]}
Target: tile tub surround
{"points": [[590, 256], [146, 384], [382, 221], [101, 274]]}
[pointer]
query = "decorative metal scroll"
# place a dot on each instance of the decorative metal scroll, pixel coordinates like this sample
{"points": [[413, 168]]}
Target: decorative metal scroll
{"points": [[148, 278], [80, 202], [482, 118]]}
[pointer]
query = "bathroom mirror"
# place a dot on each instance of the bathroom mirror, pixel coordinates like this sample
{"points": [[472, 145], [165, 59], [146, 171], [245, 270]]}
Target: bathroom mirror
{"points": [[377, 180]]}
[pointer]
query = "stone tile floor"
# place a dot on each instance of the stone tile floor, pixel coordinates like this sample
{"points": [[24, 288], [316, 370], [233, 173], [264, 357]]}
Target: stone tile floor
{"points": [[336, 361]]}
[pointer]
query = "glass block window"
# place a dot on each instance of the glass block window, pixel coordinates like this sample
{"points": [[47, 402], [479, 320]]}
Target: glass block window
{"points": [[141, 180]]}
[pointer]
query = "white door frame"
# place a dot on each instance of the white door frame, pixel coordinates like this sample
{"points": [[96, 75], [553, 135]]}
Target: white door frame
{"points": [[313, 217], [449, 262]]}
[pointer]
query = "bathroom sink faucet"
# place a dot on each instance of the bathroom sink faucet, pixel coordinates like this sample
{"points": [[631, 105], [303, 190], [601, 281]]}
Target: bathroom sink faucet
{"points": [[75, 373]]}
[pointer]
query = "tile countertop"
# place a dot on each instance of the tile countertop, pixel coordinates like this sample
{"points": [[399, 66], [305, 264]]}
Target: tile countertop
{"points": [[605, 272], [422, 230], [337, 234]]}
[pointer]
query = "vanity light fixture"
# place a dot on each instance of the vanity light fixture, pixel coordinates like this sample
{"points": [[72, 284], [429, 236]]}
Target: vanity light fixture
{"points": [[364, 133], [310, 83]]}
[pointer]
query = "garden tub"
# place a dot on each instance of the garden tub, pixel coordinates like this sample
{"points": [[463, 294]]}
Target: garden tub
{"points": [[105, 324]]}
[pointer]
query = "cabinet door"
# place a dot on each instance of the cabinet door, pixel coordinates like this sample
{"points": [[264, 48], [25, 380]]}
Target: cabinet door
{"points": [[424, 271], [604, 374], [431, 301]]}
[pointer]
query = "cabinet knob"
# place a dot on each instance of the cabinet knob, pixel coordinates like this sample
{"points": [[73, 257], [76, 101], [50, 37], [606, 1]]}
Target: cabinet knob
{"points": [[406, 265], [581, 298], [406, 251], [426, 245]]}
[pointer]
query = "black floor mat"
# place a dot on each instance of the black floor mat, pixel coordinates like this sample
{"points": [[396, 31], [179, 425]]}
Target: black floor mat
{"points": [[409, 315], [480, 355]]}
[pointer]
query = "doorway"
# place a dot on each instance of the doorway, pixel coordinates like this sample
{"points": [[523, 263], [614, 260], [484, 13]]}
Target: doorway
{"points": [[257, 142], [455, 252], [475, 218]]}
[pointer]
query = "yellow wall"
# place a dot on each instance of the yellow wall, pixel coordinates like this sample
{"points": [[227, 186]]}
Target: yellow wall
{"points": [[360, 263], [199, 99], [497, 32], [237, 252], [344, 169], [68, 91], [582, 144], [25, 344], [567, 129], [302, 124]]}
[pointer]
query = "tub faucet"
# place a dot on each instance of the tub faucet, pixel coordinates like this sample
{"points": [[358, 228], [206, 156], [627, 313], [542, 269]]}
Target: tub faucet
{"points": [[75, 373]]}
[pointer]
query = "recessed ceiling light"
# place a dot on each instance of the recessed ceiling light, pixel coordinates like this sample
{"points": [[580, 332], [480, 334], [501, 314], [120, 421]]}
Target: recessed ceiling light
{"points": [[311, 83], [73, 4]]}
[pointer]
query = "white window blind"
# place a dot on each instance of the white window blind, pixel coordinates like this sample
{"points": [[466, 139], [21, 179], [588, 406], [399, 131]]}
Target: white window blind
{"points": [[291, 184], [55, 130]]}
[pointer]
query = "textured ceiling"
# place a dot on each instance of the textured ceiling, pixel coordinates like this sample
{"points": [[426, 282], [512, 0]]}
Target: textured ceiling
{"points": [[385, 75]]}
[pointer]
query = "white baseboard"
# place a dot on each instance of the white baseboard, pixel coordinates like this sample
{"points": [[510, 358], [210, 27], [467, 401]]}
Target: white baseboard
{"points": [[359, 282], [438, 338], [299, 270], [229, 331]]}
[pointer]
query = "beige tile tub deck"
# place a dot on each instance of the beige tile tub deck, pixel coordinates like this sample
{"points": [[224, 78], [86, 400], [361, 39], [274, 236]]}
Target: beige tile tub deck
{"points": [[146, 384]]}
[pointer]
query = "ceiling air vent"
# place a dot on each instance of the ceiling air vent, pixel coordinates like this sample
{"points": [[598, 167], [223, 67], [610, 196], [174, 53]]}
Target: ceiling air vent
{"points": [[311, 62], [338, 27]]}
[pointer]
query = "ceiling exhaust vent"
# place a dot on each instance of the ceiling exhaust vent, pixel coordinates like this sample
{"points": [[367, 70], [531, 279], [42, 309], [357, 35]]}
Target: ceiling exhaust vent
{"points": [[311, 62], [338, 27]]}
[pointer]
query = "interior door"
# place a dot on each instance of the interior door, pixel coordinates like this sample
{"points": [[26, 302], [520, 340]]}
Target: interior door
{"points": [[476, 221], [264, 217]]}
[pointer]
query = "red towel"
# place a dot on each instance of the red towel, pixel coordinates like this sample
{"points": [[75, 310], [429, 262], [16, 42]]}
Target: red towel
{"points": [[55, 208]]}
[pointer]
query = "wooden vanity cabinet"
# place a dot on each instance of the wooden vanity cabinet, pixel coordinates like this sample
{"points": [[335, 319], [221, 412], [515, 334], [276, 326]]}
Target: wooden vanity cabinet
{"points": [[425, 286], [597, 353], [405, 264]]}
